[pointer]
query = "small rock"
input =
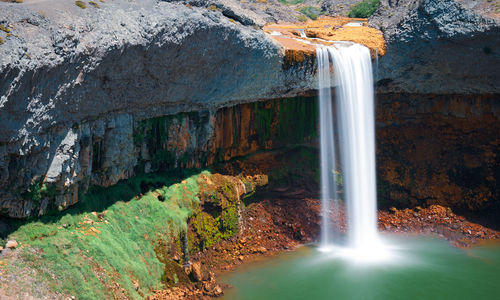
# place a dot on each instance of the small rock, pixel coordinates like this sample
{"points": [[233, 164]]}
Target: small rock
{"points": [[261, 250], [217, 291], [449, 213], [188, 269], [196, 271], [241, 257], [11, 244]]}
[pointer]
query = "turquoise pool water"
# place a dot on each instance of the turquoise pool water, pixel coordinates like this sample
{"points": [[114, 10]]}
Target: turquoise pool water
{"points": [[415, 268]]}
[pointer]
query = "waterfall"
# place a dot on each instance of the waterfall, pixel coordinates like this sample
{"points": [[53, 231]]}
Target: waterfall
{"points": [[355, 121], [327, 146]]}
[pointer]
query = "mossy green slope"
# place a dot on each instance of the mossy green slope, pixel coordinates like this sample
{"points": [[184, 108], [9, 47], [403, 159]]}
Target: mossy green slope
{"points": [[109, 238]]}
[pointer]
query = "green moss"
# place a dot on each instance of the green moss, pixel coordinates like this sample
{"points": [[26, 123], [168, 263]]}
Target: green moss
{"points": [[219, 218], [207, 229], [154, 133], [263, 112], [364, 9], [80, 4], [297, 120], [38, 190]]}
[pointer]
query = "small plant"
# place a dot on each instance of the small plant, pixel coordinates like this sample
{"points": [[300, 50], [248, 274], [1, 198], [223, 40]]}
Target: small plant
{"points": [[80, 4], [94, 4], [5, 29], [302, 18], [364, 9]]}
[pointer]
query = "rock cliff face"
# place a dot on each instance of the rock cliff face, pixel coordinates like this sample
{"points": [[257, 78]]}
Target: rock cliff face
{"points": [[438, 149], [439, 46], [92, 96], [77, 82]]}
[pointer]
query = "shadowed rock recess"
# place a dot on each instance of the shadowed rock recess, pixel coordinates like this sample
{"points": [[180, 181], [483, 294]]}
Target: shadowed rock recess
{"points": [[93, 96]]}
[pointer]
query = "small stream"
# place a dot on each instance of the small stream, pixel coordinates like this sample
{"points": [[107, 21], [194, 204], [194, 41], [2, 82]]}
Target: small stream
{"points": [[418, 268]]}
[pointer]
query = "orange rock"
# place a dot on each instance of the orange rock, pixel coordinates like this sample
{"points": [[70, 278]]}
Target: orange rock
{"points": [[297, 49]]}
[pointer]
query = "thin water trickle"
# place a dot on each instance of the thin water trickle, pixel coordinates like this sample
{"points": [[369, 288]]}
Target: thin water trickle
{"points": [[355, 120]]}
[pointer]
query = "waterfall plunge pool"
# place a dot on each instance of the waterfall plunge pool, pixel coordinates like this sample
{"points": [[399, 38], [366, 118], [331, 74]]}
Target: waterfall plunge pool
{"points": [[418, 268]]}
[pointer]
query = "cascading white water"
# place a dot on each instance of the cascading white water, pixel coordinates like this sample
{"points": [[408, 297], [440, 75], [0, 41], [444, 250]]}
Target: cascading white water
{"points": [[355, 119], [327, 146]]}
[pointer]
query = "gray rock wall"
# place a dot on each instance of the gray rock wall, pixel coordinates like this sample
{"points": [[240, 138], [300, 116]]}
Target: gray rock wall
{"points": [[438, 47]]}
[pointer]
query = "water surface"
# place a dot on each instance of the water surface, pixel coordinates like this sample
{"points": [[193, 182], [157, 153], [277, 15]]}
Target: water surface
{"points": [[417, 268]]}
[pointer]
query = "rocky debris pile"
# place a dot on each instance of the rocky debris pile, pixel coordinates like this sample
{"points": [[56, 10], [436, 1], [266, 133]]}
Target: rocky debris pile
{"points": [[435, 220], [203, 286]]}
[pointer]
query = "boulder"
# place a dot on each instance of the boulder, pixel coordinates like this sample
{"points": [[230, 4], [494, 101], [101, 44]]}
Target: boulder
{"points": [[12, 244]]}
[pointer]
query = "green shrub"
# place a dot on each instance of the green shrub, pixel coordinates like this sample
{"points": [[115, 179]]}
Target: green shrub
{"points": [[311, 12], [364, 9]]}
